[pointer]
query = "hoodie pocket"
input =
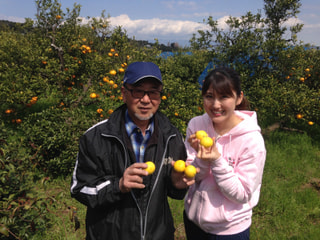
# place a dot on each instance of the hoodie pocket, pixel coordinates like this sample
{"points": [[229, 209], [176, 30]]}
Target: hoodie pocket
{"points": [[206, 208]]}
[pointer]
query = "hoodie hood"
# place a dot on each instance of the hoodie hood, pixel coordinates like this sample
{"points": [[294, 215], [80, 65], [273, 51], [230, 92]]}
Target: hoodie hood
{"points": [[248, 124]]}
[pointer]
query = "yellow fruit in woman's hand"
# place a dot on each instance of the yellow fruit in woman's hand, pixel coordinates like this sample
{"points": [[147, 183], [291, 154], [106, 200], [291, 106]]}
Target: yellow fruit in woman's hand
{"points": [[206, 142], [151, 167], [179, 166], [190, 171], [200, 134]]}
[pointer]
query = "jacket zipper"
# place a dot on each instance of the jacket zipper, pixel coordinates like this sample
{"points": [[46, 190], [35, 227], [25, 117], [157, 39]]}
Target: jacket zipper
{"points": [[155, 183], [143, 226]]}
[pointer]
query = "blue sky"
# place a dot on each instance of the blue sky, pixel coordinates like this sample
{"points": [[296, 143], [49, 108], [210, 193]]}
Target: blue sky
{"points": [[170, 20]]}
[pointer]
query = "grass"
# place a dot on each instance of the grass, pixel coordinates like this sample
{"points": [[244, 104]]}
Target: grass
{"points": [[289, 206]]}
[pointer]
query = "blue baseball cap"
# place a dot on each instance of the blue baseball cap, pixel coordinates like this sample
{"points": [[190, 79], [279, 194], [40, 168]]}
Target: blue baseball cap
{"points": [[140, 70]]}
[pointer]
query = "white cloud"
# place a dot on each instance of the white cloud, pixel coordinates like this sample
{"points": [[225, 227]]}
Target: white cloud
{"points": [[12, 19], [164, 29], [156, 28]]}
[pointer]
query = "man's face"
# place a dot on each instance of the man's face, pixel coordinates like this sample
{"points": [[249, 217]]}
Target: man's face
{"points": [[142, 99]]}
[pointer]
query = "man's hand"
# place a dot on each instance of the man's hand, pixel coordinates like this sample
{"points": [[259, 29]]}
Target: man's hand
{"points": [[132, 177], [179, 179]]}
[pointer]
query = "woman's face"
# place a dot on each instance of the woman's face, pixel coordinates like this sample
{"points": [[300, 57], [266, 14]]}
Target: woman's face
{"points": [[220, 107]]}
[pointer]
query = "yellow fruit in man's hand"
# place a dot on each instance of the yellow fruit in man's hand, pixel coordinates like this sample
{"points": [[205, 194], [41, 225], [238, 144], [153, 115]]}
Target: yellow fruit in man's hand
{"points": [[206, 142], [200, 134], [179, 166], [151, 167], [190, 171]]}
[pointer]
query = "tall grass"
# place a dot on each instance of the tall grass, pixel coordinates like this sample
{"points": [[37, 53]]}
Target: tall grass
{"points": [[289, 206]]}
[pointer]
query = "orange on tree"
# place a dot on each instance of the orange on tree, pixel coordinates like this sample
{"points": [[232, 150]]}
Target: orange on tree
{"points": [[113, 72], [93, 95], [110, 111], [299, 116], [8, 111]]}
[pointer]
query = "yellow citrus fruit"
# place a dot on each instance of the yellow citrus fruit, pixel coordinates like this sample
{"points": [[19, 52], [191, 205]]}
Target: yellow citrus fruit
{"points": [[206, 142], [110, 111], [200, 134], [179, 166], [113, 72], [93, 95], [310, 123], [190, 171], [151, 167], [299, 116]]}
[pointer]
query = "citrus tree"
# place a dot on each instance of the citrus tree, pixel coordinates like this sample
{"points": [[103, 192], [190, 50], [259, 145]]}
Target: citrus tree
{"points": [[59, 75], [62, 73], [280, 76]]}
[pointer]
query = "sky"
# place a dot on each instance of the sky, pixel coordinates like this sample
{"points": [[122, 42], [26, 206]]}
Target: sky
{"points": [[168, 21]]}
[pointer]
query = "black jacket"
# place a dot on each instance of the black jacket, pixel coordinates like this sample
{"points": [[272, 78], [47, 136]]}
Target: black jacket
{"points": [[105, 151]]}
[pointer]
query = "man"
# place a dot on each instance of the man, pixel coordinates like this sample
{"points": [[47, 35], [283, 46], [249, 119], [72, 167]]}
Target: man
{"points": [[123, 201]]}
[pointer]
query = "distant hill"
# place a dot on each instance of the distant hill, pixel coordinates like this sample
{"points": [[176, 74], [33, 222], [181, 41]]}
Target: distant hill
{"points": [[4, 25]]}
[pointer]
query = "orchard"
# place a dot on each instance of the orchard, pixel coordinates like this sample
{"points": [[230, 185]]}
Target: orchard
{"points": [[60, 76]]}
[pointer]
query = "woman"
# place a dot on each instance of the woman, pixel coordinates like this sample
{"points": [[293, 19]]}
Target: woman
{"points": [[219, 205]]}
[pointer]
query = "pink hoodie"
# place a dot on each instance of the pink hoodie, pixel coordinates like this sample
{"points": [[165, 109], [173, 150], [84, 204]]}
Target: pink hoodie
{"points": [[226, 190]]}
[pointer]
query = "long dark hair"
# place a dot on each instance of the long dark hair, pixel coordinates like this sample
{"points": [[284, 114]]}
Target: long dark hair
{"points": [[224, 81]]}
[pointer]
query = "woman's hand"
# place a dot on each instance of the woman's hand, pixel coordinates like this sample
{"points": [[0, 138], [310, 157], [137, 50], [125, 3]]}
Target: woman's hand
{"points": [[194, 142], [208, 153]]}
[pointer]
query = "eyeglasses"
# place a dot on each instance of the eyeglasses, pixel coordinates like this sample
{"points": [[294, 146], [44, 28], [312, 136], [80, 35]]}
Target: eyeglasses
{"points": [[136, 93]]}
